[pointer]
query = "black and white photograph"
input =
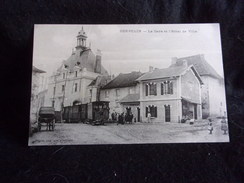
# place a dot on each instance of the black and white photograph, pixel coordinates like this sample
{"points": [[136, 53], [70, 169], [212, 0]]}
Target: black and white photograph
{"points": [[127, 84]]}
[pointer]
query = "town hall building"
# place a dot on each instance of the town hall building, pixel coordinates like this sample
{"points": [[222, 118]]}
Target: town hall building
{"points": [[70, 84]]}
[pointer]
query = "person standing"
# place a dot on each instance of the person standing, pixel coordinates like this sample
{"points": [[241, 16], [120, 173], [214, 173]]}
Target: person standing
{"points": [[149, 117], [210, 128]]}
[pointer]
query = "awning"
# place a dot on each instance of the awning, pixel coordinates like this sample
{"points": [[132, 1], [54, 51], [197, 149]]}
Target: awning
{"points": [[189, 100], [130, 98]]}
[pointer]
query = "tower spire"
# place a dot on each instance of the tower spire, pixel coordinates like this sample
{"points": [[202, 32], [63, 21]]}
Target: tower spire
{"points": [[81, 39]]}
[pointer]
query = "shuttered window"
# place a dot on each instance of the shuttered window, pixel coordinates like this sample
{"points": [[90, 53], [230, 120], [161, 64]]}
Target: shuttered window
{"points": [[146, 88], [162, 89], [166, 87]]}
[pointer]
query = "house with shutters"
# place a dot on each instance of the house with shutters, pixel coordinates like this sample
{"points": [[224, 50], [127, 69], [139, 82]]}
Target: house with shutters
{"points": [[170, 94], [122, 93], [213, 89]]}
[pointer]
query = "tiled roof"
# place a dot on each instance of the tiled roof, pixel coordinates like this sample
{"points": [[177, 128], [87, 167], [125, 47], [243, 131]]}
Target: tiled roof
{"points": [[86, 59], [130, 98], [163, 73], [99, 81], [123, 80], [34, 69], [201, 65]]}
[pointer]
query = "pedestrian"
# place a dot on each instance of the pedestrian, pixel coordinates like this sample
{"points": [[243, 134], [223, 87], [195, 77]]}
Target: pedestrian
{"points": [[224, 126], [149, 117], [210, 128]]}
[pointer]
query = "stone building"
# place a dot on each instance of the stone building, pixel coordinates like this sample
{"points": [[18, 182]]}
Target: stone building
{"points": [[35, 88], [122, 93], [170, 94], [213, 89], [70, 84]]}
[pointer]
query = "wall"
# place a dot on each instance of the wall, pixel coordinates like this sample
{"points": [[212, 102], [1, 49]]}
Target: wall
{"points": [[205, 97], [175, 108], [114, 104], [213, 97], [217, 100], [83, 79], [190, 87], [158, 96]]}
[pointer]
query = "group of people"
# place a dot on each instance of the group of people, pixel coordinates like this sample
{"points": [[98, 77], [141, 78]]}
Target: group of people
{"points": [[224, 126], [122, 118]]}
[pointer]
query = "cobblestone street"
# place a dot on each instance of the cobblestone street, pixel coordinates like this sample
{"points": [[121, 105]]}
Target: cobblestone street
{"points": [[79, 133]]}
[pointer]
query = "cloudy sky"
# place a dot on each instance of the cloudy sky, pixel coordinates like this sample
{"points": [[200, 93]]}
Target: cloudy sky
{"points": [[127, 48]]}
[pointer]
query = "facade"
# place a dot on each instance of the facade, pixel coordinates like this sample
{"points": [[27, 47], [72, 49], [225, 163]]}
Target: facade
{"points": [[170, 94], [70, 84], [35, 102], [122, 93], [212, 91]]}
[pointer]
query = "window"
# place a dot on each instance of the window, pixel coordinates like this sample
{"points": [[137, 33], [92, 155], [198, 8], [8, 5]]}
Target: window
{"points": [[152, 109], [167, 113], [76, 87], [90, 91], [106, 93], [117, 92], [63, 88], [76, 74], [53, 103], [63, 75], [151, 89], [166, 87]]}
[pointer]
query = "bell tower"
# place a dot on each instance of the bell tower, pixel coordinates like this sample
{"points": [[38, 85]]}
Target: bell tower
{"points": [[81, 39]]}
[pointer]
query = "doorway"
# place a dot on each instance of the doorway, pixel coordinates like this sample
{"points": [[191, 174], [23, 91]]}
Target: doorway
{"points": [[138, 114], [195, 111]]}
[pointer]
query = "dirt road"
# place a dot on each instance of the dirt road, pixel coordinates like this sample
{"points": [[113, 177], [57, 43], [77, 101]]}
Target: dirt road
{"points": [[69, 134]]}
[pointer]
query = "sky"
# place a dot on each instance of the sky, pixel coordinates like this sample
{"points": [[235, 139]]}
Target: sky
{"points": [[127, 48]]}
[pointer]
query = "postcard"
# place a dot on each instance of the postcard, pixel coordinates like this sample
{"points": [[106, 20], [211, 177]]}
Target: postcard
{"points": [[127, 84]]}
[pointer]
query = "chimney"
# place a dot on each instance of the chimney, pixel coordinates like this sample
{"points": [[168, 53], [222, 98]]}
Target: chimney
{"points": [[98, 63], [173, 60], [150, 68], [202, 56], [184, 63]]}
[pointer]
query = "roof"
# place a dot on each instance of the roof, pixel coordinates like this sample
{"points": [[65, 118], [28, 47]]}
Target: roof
{"points": [[99, 81], [130, 98], [34, 69], [83, 59], [163, 73], [190, 100], [201, 65], [123, 80]]}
